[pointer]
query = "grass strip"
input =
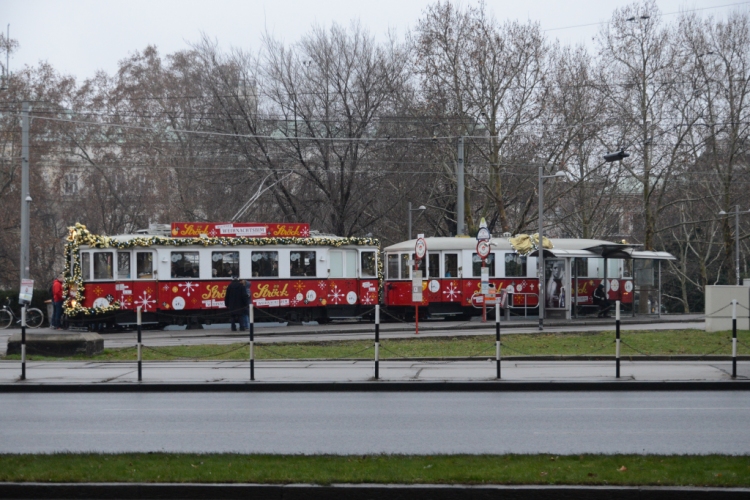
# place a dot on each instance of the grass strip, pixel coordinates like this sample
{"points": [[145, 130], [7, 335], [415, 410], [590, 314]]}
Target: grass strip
{"points": [[662, 342], [654, 470]]}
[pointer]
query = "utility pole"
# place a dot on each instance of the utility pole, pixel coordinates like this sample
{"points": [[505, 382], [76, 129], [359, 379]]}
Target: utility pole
{"points": [[25, 195], [460, 181]]}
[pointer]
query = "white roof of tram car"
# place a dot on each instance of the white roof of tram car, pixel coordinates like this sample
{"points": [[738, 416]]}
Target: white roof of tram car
{"points": [[561, 247]]}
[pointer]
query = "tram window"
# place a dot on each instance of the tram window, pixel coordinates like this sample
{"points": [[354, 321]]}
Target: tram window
{"points": [[225, 264], [515, 265], [581, 268], [302, 264], [393, 266], [433, 269], [405, 266], [450, 261], [476, 264], [265, 264], [421, 265], [144, 265], [627, 269], [368, 265], [185, 264], [123, 265], [86, 266], [103, 266]]}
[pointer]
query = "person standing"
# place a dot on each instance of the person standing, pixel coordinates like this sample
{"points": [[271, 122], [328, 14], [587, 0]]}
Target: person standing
{"points": [[57, 303], [236, 300], [600, 299]]}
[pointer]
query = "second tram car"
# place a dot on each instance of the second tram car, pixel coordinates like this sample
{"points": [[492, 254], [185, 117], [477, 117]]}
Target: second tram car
{"points": [[452, 271]]}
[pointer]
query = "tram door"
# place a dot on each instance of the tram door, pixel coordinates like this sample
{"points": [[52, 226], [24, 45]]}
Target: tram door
{"points": [[343, 264]]}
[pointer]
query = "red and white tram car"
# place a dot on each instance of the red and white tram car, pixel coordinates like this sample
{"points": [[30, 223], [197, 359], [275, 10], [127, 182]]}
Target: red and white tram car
{"points": [[181, 278], [451, 271]]}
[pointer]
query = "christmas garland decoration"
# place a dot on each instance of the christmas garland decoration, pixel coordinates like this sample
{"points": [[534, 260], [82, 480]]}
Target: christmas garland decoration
{"points": [[78, 235]]}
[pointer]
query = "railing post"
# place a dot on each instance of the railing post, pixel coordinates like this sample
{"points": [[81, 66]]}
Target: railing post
{"points": [[377, 341], [734, 338], [251, 332], [497, 337], [617, 337], [140, 344], [23, 342]]}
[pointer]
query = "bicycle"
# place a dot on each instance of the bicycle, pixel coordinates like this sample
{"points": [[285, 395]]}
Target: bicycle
{"points": [[34, 317]]}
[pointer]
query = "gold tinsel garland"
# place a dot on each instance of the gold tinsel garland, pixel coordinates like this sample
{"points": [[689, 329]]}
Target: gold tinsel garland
{"points": [[78, 235]]}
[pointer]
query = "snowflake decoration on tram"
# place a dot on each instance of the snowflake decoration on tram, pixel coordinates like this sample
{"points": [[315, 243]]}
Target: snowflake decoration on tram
{"points": [[304, 232], [451, 292], [188, 287], [299, 286], [322, 285], [165, 288], [335, 295], [366, 299], [145, 301]]}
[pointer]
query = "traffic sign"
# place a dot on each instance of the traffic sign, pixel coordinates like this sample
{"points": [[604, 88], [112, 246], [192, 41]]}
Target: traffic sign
{"points": [[420, 249], [483, 234], [483, 249]]}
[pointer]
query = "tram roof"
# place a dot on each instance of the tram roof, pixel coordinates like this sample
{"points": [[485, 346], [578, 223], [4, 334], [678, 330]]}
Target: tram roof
{"points": [[561, 247]]}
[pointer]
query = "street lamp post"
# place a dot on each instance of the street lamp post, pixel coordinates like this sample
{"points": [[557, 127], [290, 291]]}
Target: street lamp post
{"points": [[540, 247], [421, 207], [736, 214]]}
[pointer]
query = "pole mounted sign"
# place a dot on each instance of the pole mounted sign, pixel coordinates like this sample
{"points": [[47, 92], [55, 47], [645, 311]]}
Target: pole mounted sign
{"points": [[27, 290], [420, 250]]}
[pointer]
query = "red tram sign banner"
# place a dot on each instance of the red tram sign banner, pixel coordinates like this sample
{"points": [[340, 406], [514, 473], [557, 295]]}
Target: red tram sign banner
{"points": [[240, 229]]}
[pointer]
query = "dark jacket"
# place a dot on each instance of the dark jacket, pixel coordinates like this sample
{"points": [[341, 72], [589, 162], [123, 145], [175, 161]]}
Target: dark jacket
{"points": [[599, 296], [236, 297]]}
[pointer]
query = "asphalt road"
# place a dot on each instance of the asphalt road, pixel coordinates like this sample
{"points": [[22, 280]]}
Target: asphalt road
{"points": [[366, 423]]}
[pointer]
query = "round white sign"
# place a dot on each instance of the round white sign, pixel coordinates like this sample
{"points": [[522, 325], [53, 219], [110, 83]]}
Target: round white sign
{"points": [[310, 296], [483, 249], [178, 303], [628, 286], [420, 248], [101, 302], [434, 286], [351, 297], [614, 285]]}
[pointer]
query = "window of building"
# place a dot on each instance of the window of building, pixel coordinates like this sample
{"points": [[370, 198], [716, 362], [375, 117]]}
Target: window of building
{"points": [[123, 265], [144, 265], [302, 264], [515, 265], [476, 265], [185, 264], [70, 184], [265, 264], [225, 264], [103, 266]]}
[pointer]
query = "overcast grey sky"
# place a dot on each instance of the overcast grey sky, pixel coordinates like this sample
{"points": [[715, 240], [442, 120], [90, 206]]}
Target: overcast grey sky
{"points": [[79, 37]]}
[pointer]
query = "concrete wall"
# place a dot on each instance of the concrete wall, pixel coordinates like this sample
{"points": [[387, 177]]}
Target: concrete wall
{"points": [[719, 307]]}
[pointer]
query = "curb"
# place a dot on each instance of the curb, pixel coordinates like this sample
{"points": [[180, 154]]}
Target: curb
{"points": [[358, 491], [379, 386]]}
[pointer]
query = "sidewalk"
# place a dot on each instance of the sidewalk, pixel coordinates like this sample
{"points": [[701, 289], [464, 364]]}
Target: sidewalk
{"points": [[420, 374]]}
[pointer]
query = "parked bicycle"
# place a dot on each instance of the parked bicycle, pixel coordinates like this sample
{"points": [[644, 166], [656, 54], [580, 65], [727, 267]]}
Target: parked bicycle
{"points": [[34, 317]]}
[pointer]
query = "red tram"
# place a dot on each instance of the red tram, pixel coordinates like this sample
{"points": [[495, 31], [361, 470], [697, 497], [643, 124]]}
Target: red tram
{"points": [[181, 277], [451, 271], [179, 274]]}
